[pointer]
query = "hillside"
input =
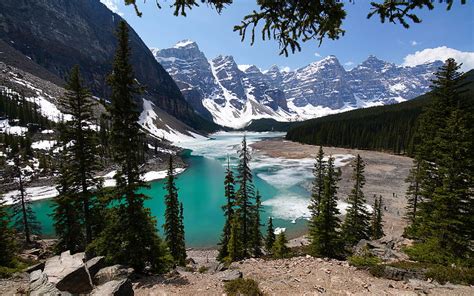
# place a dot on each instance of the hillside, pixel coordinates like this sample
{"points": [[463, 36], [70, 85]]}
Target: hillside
{"points": [[59, 34], [390, 128]]}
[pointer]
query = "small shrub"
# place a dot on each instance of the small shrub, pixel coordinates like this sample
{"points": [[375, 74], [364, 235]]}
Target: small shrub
{"points": [[203, 269], [246, 287], [377, 270], [364, 261], [454, 275], [16, 266], [190, 269]]}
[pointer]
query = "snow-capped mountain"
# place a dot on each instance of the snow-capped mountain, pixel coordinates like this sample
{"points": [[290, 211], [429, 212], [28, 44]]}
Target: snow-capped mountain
{"points": [[233, 95]]}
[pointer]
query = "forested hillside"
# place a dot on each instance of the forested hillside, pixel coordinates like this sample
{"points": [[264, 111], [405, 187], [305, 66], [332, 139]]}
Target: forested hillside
{"points": [[388, 128]]}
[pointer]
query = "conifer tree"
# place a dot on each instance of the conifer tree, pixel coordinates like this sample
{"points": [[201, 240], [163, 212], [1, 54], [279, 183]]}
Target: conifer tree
{"points": [[235, 247], [67, 214], [318, 183], [82, 156], [270, 238], [229, 192], [377, 219], [24, 217], [130, 235], [7, 245], [280, 249], [173, 225], [325, 238], [244, 197], [443, 228], [413, 196], [356, 226], [257, 240]]}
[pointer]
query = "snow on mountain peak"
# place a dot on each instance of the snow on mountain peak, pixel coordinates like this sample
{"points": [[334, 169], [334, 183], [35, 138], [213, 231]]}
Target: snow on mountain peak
{"points": [[185, 43]]}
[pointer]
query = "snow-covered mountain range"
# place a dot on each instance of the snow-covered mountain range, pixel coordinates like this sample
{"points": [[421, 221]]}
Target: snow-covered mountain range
{"points": [[233, 95]]}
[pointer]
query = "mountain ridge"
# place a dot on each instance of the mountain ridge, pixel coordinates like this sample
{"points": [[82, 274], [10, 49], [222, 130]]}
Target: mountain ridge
{"points": [[233, 95]]}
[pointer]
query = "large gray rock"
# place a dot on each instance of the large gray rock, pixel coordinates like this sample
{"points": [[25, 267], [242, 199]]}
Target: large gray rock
{"points": [[114, 272], [399, 274], [114, 288], [40, 286], [229, 275]]}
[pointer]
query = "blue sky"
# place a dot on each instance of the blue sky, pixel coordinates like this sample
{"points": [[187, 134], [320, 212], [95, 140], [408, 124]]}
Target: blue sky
{"points": [[441, 33]]}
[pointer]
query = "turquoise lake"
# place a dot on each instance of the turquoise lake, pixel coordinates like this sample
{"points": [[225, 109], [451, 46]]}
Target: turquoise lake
{"points": [[280, 182]]}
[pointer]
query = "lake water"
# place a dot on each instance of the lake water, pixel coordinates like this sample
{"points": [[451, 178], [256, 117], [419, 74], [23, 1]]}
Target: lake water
{"points": [[280, 182]]}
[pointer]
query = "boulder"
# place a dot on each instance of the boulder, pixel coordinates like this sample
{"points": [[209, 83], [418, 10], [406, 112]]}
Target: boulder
{"points": [[114, 272], [40, 286], [57, 267], [400, 274], [95, 264], [39, 266], [114, 288], [229, 275]]}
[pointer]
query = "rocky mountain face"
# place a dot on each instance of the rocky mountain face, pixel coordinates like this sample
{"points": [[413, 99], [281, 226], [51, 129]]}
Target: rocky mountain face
{"points": [[59, 34], [233, 95]]}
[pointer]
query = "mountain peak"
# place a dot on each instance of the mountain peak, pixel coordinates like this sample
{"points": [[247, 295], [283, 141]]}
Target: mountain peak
{"points": [[186, 43]]}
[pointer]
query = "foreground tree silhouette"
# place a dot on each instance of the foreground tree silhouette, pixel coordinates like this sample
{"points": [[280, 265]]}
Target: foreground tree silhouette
{"points": [[377, 219], [356, 226], [173, 227], [280, 249], [413, 196], [130, 236], [257, 239], [293, 22], [325, 237], [7, 245]]}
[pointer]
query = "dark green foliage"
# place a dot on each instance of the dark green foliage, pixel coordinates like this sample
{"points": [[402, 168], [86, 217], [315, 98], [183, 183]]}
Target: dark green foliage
{"points": [[280, 249], [80, 160], [257, 239], [67, 214], [325, 237], [235, 249], [413, 196], [443, 227], [376, 227], [245, 196], [245, 287], [270, 238], [130, 235], [365, 261], [25, 113], [7, 245], [387, 128], [356, 226], [229, 189], [173, 227], [318, 184]]}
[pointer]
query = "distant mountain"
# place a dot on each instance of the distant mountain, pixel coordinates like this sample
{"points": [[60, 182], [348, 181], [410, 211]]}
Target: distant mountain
{"points": [[233, 95], [59, 34], [386, 128]]}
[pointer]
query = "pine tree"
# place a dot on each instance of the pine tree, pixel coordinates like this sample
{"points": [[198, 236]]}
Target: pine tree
{"points": [[67, 214], [280, 249], [270, 238], [356, 226], [325, 238], [443, 228], [173, 225], [24, 217], [318, 183], [7, 245], [229, 192], [413, 197], [377, 219], [245, 195], [82, 155], [130, 236], [257, 240], [235, 247]]}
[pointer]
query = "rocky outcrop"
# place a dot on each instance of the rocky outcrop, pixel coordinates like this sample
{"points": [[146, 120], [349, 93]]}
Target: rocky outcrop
{"points": [[68, 274], [388, 249], [229, 275]]}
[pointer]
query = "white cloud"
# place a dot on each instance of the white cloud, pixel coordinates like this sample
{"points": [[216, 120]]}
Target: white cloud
{"points": [[414, 43], [112, 5], [317, 54], [349, 63], [285, 69], [441, 53]]}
